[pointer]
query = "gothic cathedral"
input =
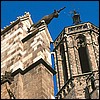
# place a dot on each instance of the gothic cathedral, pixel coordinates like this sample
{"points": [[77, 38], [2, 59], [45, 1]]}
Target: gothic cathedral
{"points": [[26, 66]]}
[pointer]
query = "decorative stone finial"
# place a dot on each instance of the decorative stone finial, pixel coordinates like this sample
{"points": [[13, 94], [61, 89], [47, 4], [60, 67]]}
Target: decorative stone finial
{"points": [[76, 18]]}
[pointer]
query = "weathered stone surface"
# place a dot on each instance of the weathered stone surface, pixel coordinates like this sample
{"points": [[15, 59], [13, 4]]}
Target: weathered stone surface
{"points": [[68, 37], [36, 83]]}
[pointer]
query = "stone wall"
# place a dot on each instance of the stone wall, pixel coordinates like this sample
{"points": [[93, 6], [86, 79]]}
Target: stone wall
{"points": [[34, 84], [68, 37], [30, 82]]}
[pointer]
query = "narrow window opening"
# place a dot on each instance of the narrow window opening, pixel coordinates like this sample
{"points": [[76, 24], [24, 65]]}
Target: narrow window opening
{"points": [[83, 54], [84, 59], [64, 65]]}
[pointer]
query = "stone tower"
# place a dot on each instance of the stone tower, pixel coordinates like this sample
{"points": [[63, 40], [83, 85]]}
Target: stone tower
{"points": [[28, 56], [76, 53]]}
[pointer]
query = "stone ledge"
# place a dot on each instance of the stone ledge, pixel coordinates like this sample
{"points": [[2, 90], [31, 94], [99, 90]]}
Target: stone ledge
{"points": [[40, 61]]}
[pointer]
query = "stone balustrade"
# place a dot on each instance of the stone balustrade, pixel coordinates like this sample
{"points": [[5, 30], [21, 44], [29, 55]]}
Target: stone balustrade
{"points": [[65, 89], [89, 82]]}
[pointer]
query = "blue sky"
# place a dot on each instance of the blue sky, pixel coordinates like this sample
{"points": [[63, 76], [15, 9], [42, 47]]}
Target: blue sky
{"points": [[89, 11]]}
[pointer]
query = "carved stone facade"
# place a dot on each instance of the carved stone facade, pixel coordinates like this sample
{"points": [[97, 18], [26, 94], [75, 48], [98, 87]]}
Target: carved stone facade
{"points": [[28, 56], [76, 53]]}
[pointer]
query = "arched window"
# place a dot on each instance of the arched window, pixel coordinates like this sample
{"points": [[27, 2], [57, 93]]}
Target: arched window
{"points": [[83, 54], [64, 65]]}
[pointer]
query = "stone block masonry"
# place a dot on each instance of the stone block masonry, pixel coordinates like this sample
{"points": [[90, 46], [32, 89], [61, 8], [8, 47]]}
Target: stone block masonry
{"points": [[30, 61]]}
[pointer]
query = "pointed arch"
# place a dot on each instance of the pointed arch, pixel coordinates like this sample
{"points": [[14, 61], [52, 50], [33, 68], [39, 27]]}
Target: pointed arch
{"points": [[83, 54]]}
